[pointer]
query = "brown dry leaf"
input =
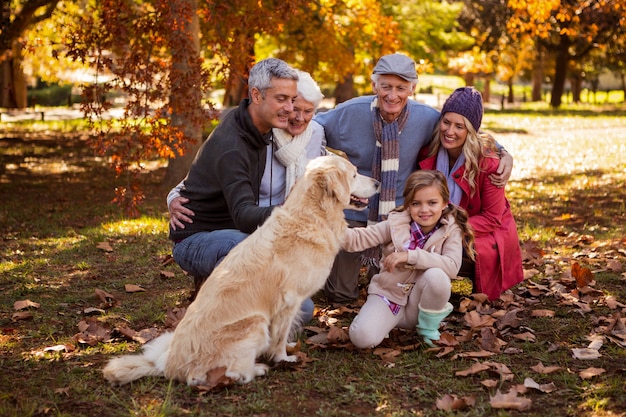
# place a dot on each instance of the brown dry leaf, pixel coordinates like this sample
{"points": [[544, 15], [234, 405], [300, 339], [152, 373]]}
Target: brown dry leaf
{"points": [[614, 265], [489, 340], [107, 300], [509, 319], [474, 369], [105, 246], [320, 339], [612, 303], [63, 391], [142, 336], [92, 333], [526, 336], [293, 348], [60, 348], [501, 369], [174, 316], [444, 351], [166, 259], [480, 297], [127, 332], [479, 354], [530, 273], [92, 311], [542, 313], [586, 354], [22, 315], [132, 288], [541, 369], [476, 320], [337, 335], [387, 355], [547, 388], [532, 253], [464, 305], [167, 274], [452, 402], [490, 383], [216, 378], [591, 372], [447, 339], [146, 335], [510, 401], [582, 275], [24, 304]]}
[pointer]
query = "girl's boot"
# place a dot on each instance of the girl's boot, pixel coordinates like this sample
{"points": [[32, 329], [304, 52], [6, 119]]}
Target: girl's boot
{"points": [[428, 323]]}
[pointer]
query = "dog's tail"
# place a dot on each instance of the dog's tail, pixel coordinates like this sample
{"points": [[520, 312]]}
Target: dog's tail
{"points": [[151, 362]]}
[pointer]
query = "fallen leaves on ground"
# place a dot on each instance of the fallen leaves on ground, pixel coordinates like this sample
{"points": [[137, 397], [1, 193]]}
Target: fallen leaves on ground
{"points": [[452, 402], [510, 401], [24, 304], [479, 329]]}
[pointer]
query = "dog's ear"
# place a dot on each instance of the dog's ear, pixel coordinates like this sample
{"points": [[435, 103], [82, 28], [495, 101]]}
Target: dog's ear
{"points": [[337, 185]]}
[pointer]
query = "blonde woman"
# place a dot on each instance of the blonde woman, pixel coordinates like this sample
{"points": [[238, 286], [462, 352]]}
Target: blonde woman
{"points": [[468, 158]]}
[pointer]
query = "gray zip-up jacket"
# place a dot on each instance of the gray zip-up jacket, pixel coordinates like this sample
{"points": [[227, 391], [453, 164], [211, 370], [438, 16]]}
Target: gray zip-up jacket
{"points": [[225, 177]]}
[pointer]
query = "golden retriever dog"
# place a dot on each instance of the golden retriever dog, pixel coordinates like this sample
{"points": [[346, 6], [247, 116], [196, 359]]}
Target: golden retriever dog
{"points": [[245, 309]]}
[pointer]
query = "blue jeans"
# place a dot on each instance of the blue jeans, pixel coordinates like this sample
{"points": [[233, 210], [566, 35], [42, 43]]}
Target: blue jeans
{"points": [[200, 253]]}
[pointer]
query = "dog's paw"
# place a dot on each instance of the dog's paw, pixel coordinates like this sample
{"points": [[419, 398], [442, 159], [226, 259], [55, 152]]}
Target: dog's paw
{"points": [[260, 369], [195, 382], [286, 358]]}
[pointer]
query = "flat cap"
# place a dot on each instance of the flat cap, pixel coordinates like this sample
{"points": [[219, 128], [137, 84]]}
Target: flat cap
{"points": [[396, 64]]}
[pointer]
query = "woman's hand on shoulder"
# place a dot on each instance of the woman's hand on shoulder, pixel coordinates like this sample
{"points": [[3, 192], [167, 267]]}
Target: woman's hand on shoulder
{"points": [[502, 175]]}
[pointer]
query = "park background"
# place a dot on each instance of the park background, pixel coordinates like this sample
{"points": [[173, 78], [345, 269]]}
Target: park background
{"points": [[98, 98]]}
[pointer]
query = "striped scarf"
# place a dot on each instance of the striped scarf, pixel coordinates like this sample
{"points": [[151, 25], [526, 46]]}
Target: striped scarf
{"points": [[386, 162], [385, 169]]}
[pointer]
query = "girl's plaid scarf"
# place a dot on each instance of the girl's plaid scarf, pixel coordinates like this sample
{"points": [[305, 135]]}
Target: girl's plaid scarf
{"points": [[384, 169], [419, 238]]}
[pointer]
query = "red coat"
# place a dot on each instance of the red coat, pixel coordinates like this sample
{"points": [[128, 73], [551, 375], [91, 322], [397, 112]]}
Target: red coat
{"points": [[499, 257]]}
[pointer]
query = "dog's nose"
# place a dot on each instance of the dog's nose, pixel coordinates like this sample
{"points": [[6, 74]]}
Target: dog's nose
{"points": [[376, 183]]}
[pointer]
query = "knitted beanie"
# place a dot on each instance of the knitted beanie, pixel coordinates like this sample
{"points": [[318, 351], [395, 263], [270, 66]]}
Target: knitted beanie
{"points": [[468, 102]]}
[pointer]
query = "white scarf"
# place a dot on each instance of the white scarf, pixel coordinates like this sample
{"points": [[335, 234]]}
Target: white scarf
{"points": [[291, 153]]}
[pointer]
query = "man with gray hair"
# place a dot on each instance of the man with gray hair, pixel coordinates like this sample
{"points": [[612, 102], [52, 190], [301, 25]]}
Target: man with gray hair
{"points": [[381, 135], [222, 186]]}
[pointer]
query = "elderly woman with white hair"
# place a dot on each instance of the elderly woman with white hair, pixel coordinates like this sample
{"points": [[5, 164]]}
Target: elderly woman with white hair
{"points": [[293, 147]]}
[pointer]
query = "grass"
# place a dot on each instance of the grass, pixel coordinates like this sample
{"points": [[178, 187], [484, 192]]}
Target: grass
{"points": [[567, 192]]}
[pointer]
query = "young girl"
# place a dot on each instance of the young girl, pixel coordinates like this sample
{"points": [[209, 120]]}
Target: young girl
{"points": [[423, 242]]}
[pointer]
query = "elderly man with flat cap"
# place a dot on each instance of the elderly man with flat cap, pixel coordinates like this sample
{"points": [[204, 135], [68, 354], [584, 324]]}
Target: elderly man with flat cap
{"points": [[382, 135]]}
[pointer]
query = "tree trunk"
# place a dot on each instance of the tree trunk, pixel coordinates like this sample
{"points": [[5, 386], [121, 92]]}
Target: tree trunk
{"points": [[468, 78], [487, 90], [186, 92], [577, 86], [560, 73], [538, 75], [511, 97], [12, 81], [344, 90]]}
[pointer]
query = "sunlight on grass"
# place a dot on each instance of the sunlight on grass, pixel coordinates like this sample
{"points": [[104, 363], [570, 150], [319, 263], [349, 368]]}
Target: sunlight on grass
{"points": [[142, 226]]}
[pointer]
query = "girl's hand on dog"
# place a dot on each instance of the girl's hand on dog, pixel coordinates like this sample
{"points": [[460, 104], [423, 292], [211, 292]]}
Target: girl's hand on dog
{"points": [[179, 214], [395, 258]]}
